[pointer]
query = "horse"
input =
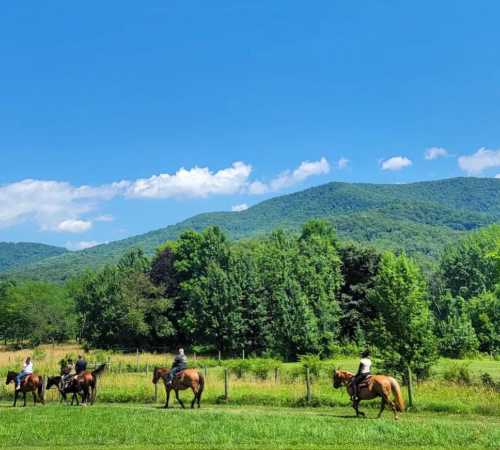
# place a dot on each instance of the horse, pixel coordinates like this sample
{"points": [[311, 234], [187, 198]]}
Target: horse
{"points": [[66, 389], [188, 378], [84, 384], [32, 383], [375, 386]]}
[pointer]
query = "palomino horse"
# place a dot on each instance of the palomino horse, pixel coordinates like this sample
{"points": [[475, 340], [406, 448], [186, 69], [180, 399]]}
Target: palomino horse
{"points": [[375, 386], [32, 383], [188, 378], [84, 384]]}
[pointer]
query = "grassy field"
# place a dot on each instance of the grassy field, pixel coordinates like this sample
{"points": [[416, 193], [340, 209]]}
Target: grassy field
{"points": [[226, 427], [260, 413]]}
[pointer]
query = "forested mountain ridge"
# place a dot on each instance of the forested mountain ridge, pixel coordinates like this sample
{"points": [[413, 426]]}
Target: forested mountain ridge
{"points": [[14, 254], [420, 218]]}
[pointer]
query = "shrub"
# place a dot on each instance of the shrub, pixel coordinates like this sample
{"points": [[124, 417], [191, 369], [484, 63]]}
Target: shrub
{"points": [[458, 373], [488, 381], [261, 367]]}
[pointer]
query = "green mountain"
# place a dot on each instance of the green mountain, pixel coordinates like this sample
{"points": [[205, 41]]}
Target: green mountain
{"points": [[420, 218], [16, 254]]}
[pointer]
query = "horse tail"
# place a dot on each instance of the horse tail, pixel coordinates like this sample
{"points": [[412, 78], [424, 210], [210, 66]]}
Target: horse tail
{"points": [[98, 371], [396, 391], [202, 385]]}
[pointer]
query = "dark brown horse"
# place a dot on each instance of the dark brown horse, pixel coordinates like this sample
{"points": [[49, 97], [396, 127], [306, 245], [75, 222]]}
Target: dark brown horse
{"points": [[375, 386], [66, 389], [83, 384], [188, 378], [32, 383]]}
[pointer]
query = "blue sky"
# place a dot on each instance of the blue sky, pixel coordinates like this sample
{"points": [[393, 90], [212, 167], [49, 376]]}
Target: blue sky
{"points": [[103, 103]]}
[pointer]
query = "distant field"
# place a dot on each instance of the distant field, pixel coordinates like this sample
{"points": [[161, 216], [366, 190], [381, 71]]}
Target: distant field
{"points": [[225, 427]]}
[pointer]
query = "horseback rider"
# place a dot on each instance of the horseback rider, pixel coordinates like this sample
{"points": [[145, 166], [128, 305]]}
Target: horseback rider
{"points": [[27, 370], [66, 373], [179, 364], [362, 374], [81, 365]]}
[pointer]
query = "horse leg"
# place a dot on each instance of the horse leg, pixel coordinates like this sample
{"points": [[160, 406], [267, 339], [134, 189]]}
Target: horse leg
{"points": [[167, 396], [356, 407], [178, 399], [15, 398], [34, 397], [194, 398], [382, 406], [24, 398]]}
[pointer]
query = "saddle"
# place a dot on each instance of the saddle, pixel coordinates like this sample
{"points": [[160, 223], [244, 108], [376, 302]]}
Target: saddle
{"points": [[25, 380], [366, 382]]}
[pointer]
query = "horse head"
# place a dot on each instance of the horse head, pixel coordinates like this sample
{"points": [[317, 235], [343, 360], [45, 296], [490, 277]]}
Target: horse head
{"points": [[11, 376], [53, 381], [341, 377], [158, 373]]}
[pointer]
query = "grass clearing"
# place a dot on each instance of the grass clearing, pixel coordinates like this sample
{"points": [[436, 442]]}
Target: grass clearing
{"points": [[228, 427]]}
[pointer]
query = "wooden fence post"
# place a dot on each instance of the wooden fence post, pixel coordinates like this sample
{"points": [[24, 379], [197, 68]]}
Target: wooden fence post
{"points": [[205, 370], [137, 360], [410, 388], [276, 373], [219, 356], [243, 354], [226, 384], [308, 385]]}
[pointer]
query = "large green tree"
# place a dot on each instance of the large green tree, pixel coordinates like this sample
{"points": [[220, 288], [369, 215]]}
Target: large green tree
{"points": [[403, 328]]}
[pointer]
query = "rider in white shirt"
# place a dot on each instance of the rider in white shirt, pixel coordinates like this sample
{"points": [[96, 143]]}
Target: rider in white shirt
{"points": [[27, 370], [363, 372]]}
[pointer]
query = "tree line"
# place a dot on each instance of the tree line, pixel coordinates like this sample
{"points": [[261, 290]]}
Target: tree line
{"points": [[281, 295]]}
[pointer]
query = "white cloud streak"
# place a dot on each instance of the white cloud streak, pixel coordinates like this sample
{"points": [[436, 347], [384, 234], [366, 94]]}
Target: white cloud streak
{"points": [[479, 161], [396, 163], [497, 175], [342, 163], [74, 226], [59, 206], [81, 245], [435, 153], [239, 208], [195, 182], [289, 178]]}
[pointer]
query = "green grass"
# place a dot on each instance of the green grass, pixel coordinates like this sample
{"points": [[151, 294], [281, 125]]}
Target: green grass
{"points": [[226, 427]]}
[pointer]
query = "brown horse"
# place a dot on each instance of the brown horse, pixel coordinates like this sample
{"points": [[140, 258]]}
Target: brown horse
{"points": [[188, 378], [64, 390], [86, 382], [375, 386], [32, 383]]}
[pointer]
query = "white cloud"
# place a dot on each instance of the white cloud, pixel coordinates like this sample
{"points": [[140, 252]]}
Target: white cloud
{"points": [[342, 163], [497, 175], [435, 153], [257, 188], [62, 207], [195, 182], [289, 178], [104, 218], [239, 208], [81, 245], [484, 158], [74, 226], [396, 163], [48, 203]]}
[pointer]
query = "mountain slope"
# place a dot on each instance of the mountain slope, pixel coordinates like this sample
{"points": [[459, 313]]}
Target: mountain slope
{"points": [[15, 254], [420, 218]]}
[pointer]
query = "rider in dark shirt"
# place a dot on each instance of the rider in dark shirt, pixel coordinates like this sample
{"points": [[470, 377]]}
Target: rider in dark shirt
{"points": [[81, 365], [180, 363]]}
